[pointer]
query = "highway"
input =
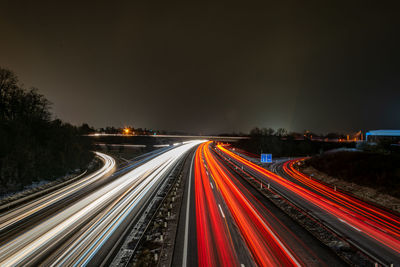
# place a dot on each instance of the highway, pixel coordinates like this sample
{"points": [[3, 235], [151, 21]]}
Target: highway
{"points": [[85, 232], [371, 229], [226, 221], [24, 216]]}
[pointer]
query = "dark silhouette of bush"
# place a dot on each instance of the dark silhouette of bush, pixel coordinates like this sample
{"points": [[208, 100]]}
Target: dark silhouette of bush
{"points": [[377, 170], [33, 146]]}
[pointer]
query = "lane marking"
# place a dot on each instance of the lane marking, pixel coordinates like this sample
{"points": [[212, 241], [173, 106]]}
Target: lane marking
{"points": [[343, 221], [125, 159], [263, 222], [211, 185], [220, 209], [185, 244]]}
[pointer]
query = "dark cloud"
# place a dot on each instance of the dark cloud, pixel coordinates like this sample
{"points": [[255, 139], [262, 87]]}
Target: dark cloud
{"points": [[210, 67]]}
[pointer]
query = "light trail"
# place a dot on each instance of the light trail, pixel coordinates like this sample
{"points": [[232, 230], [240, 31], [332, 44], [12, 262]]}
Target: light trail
{"points": [[214, 246], [98, 233], [378, 218], [367, 219], [110, 205], [10, 218], [264, 244]]}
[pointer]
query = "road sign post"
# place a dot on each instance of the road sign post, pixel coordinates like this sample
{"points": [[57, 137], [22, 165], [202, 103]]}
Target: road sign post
{"points": [[266, 158]]}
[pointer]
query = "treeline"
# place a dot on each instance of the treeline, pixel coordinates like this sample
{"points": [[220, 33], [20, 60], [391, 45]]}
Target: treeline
{"points": [[126, 130], [377, 170], [280, 143], [33, 146]]}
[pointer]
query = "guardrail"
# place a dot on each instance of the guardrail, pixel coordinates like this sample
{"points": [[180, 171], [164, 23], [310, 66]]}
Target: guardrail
{"points": [[263, 185]]}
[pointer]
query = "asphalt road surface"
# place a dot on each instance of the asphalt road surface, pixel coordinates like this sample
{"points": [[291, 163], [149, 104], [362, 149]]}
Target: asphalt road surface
{"points": [[373, 230], [82, 232], [225, 221]]}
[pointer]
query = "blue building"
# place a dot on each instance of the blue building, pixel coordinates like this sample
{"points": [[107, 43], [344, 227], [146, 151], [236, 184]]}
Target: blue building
{"points": [[378, 135]]}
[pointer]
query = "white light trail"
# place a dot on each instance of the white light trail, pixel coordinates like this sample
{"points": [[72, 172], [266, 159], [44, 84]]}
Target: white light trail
{"points": [[121, 197]]}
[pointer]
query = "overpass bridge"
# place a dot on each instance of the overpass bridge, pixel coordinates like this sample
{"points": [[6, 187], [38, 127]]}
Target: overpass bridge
{"points": [[156, 140]]}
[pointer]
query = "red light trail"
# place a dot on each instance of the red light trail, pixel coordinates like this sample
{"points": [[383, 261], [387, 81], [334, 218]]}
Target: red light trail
{"points": [[266, 247], [379, 218], [214, 246], [372, 221]]}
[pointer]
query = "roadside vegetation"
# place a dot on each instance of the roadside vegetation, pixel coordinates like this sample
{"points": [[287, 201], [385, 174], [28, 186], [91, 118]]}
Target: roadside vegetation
{"points": [[33, 146], [373, 169]]}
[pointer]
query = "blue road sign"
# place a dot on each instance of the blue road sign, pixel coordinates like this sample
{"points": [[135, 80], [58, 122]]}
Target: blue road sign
{"points": [[266, 158]]}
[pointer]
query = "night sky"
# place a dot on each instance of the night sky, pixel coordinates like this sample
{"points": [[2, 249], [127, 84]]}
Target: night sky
{"points": [[210, 67]]}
